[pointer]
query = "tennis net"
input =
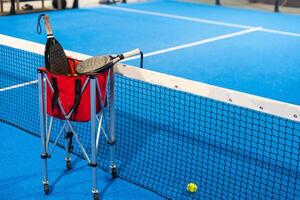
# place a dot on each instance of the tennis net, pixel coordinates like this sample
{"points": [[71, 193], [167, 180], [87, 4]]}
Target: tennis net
{"points": [[172, 131]]}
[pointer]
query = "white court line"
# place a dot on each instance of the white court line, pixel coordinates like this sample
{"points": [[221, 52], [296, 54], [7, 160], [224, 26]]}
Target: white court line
{"points": [[19, 85], [199, 20], [33, 47], [176, 17], [281, 32], [200, 42]]}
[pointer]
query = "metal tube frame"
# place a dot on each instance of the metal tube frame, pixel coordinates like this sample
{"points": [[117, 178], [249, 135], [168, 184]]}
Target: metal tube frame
{"points": [[68, 148], [111, 110], [67, 119], [45, 131], [93, 163]]}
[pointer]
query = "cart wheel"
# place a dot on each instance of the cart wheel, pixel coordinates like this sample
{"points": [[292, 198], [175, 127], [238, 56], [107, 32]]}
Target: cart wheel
{"points": [[96, 196], [113, 172], [46, 188], [69, 165]]}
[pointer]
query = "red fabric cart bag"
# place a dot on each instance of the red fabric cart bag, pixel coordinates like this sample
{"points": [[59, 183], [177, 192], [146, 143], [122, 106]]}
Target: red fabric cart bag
{"points": [[68, 90]]}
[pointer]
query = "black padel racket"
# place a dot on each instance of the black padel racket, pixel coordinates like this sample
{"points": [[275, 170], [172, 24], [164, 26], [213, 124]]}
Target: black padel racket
{"points": [[56, 60], [100, 63]]}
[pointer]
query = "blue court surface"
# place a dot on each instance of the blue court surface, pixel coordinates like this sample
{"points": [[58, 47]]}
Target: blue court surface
{"points": [[21, 173], [249, 51], [260, 62]]}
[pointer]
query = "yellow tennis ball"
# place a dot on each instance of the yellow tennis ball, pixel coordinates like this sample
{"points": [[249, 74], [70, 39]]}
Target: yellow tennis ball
{"points": [[191, 187]]}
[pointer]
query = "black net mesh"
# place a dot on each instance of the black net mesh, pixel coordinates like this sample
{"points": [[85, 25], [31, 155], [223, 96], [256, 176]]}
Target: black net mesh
{"points": [[167, 139]]}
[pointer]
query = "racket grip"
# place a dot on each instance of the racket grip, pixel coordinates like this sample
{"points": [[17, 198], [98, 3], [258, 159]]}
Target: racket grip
{"points": [[47, 24], [131, 53]]}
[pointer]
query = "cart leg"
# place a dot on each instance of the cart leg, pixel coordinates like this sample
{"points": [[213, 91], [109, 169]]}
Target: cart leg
{"points": [[93, 163], [112, 138], [43, 131], [69, 149]]}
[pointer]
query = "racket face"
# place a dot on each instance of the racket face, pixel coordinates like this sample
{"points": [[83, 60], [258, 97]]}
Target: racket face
{"points": [[55, 57], [93, 64]]}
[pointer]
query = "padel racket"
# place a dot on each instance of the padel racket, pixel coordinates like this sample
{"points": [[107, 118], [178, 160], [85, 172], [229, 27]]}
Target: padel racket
{"points": [[100, 63], [56, 60]]}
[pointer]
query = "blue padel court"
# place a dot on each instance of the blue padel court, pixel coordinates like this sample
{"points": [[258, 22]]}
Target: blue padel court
{"points": [[166, 138]]}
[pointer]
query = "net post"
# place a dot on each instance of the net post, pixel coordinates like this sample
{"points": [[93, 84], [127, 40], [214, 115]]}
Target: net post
{"points": [[111, 110], [276, 6], [93, 163], [43, 131], [218, 2]]}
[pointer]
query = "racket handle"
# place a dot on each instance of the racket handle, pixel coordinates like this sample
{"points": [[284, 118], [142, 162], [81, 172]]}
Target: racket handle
{"points": [[131, 53], [47, 24]]}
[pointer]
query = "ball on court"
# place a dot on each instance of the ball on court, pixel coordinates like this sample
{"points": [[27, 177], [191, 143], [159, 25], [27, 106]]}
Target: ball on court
{"points": [[191, 187]]}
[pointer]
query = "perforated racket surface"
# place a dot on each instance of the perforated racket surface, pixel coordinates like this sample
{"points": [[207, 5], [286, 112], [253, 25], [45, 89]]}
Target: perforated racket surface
{"points": [[56, 60], [94, 64], [99, 63]]}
